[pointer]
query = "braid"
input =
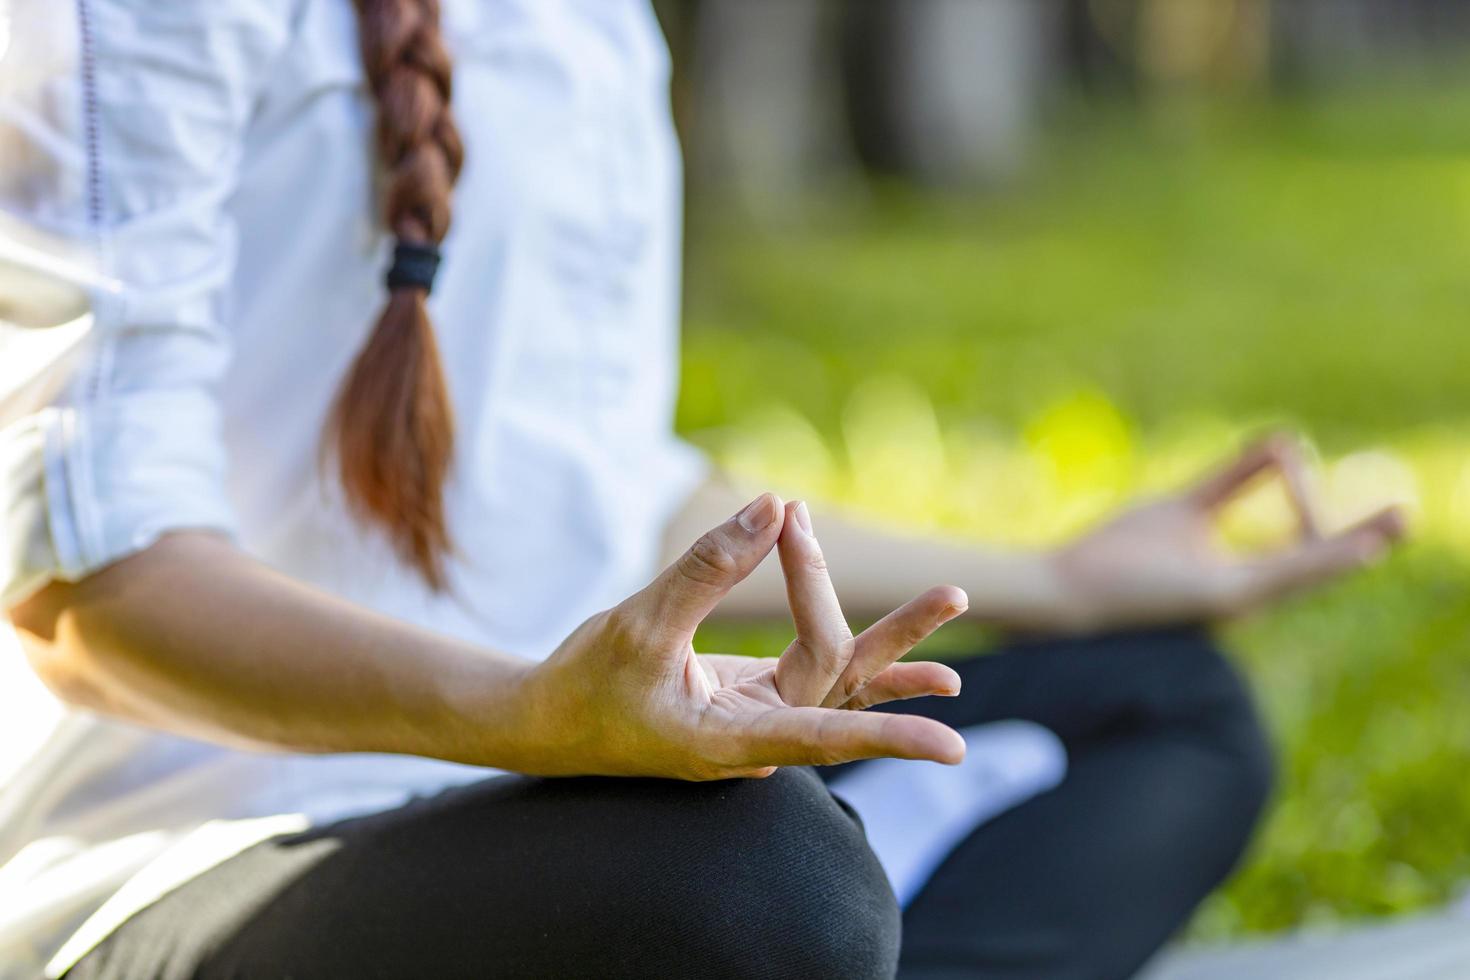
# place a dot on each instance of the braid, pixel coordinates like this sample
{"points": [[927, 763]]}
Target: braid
{"points": [[392, 424]]}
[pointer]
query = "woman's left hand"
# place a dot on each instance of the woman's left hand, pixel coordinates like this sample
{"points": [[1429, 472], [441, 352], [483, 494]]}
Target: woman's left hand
{"points": [[1158, 563]]}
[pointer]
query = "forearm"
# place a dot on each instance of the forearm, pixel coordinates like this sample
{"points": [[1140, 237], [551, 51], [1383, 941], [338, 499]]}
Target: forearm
{"points": [[193, 637], [875, 571]]}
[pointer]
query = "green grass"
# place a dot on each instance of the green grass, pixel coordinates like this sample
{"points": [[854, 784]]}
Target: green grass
{"points": [[1012, 366]]}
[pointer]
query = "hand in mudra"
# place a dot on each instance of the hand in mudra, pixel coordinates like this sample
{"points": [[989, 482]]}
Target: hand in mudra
{"points": [[1158, 563], [626, 694]]}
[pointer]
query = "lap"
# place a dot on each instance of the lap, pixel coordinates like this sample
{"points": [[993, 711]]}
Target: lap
{"points": [[1167, 771], [1093, 687], [531, 877]]}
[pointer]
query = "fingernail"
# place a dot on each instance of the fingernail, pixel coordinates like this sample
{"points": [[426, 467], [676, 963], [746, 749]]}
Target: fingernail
{"points": [[803, 517], [759, 514]]}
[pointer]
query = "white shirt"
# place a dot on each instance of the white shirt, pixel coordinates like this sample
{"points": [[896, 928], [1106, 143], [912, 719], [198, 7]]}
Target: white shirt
{"points": [[212, 162], [215, 160]]}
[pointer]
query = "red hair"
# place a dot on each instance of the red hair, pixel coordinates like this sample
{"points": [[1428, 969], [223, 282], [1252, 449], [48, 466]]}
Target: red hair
{"points": [[392, 425]]}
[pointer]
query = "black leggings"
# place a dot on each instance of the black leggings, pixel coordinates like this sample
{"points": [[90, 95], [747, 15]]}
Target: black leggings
{"points": [[553, 878], [517, 877], [1168, 769]]}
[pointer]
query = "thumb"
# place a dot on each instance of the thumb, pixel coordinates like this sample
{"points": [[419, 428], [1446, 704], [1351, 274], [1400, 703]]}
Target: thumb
{"points": [[689, 589]]}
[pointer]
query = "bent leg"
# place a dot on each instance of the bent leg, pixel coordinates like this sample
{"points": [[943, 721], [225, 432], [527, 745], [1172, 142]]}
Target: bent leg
{"points": [[1168, 770], [522, 877]]}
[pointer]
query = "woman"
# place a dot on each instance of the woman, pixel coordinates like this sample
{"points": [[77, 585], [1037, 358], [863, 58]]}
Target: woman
{"points": [[275, 509]]}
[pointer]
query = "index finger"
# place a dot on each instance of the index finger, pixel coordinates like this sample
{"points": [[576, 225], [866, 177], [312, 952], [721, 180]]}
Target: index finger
{"points": [[1281, 453]]}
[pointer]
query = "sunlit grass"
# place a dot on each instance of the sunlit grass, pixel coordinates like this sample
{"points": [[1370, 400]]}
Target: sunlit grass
{"points": [[1075, 461], [1012, 368]]}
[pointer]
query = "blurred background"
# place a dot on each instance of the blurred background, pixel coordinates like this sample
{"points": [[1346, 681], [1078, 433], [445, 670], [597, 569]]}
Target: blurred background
{"points": [[991, 268]]}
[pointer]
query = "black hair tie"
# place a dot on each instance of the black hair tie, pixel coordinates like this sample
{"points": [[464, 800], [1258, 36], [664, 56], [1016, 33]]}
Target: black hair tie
{"points": [[413, 265]]}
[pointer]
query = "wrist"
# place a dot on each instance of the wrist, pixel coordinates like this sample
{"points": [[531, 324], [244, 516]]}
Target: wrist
{"points": [[538, 718], [475, 710], [1068, 608]]}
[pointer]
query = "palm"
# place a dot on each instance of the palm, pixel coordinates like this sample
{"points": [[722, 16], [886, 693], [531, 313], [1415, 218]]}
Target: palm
{"points": [[746, 697], [741, 700], [749, 686], [725, 670]]}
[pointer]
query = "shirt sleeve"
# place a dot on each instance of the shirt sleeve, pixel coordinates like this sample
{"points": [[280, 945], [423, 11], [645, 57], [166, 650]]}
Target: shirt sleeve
{"points": [[121, 129]]}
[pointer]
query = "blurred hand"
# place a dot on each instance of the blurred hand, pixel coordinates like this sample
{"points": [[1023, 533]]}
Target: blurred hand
{"points": [[627, 695], [1158, 564]]}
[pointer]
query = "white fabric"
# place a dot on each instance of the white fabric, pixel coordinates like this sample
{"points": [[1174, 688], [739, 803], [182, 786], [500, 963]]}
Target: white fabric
{"points": [[214, 159]]}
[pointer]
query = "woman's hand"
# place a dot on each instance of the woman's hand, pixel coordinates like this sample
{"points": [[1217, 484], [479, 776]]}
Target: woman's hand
{"points": [[1158, 564], [627, 695]]}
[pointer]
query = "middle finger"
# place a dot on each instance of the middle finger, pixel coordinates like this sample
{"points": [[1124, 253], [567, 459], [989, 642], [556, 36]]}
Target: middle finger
{"points": [[892, 637]]}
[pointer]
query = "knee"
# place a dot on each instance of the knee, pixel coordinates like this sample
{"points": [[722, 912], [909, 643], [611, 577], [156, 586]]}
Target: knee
{"points": [[1216, 701], [810, 899]]}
